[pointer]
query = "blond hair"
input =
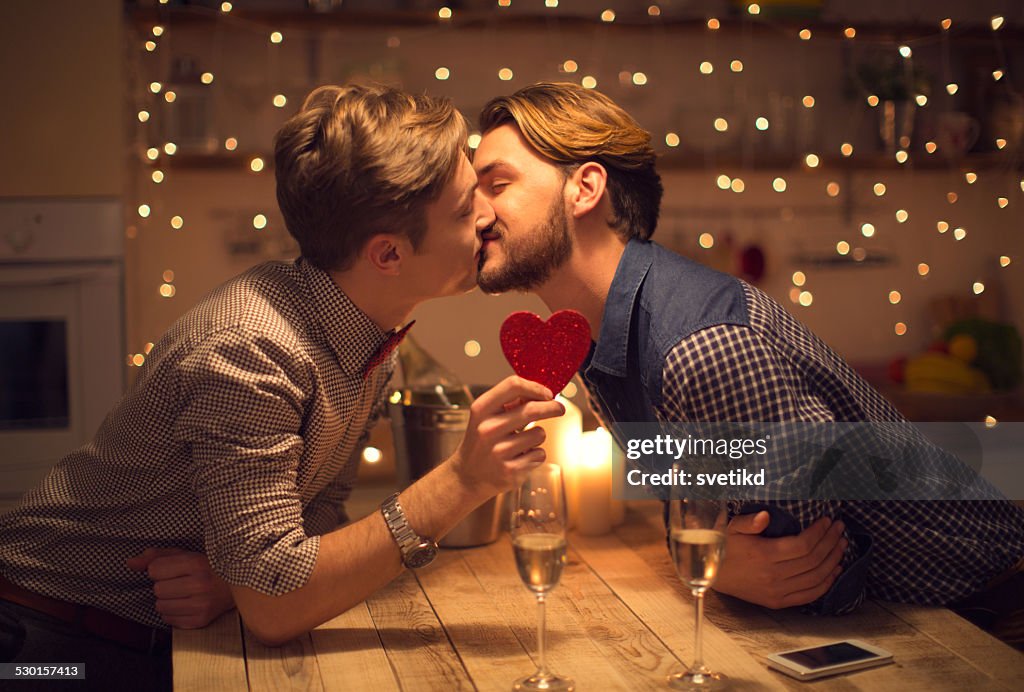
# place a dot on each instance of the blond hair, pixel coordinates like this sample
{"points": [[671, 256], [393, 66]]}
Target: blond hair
{"points": [[570, 125], [358, 160]]}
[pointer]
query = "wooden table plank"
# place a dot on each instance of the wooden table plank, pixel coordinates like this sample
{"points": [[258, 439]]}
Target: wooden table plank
{"points": [[592, 637], [210, 658], [669, 612], [486, 644], [921, 660], [292, 666], [351, 655], [984, 653], [416, 644]]}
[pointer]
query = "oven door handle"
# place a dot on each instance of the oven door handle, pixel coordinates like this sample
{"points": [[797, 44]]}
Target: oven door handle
{"points": [[24, 277]]}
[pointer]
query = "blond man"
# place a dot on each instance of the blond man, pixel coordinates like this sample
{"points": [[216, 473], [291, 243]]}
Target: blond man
{"points": [[573, 184], [219, 479]]}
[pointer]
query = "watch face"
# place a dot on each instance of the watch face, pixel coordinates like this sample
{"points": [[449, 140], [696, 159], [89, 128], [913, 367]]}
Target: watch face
{"points": [[421, 555]]}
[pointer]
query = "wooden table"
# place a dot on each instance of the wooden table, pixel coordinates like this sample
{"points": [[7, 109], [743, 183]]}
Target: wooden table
{"points": [[619, 620]]}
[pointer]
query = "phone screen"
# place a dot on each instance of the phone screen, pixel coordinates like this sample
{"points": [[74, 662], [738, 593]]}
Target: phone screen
{"points": [[829, 655]]}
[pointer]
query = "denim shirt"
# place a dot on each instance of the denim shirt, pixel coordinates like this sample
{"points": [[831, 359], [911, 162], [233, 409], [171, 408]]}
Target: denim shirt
{"points": [[656, 299]]}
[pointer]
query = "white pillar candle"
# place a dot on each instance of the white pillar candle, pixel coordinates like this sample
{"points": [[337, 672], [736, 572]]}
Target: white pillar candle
{"points": [[618, 461], [562, 446], [594, 473]]}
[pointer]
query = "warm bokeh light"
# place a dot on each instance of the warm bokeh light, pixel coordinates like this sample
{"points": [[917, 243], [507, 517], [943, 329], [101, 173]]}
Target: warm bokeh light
{"points": [[879, 189], [471, 348], [923, 269], [842, 248], [895, 297], [588, 82], [706, 241], [259, 222], [812, 160], [799, 278], [505, 74], [942, 226], [706, 67], [902, 215], [900, 328], [779, 184], [832, 189], [761, 123], [846, 149], [177, 222], [672, 139], [978, 288], [442, 73], [256, 165]]}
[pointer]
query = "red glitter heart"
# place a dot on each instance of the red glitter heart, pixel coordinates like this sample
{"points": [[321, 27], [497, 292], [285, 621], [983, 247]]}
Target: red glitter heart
{"points": [[546, 352]]}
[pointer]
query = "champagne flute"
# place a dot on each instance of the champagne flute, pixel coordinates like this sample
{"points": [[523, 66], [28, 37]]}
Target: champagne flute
{"points": [[538, 540], [697, 537]]}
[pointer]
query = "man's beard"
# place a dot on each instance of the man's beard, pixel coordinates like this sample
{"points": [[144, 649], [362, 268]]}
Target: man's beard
{"points": [[531, 258]]}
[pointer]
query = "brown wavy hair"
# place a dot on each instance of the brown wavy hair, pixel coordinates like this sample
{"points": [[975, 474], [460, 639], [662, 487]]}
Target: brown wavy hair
{"points": [[362, 159], [570, 125]]}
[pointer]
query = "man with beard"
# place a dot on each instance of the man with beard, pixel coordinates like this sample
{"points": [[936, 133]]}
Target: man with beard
{"points": [[572, 180], [219, 480]]}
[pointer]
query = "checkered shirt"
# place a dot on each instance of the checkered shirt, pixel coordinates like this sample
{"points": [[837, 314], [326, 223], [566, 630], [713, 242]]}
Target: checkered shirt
{"points": [[775, 370], [239, 439]]}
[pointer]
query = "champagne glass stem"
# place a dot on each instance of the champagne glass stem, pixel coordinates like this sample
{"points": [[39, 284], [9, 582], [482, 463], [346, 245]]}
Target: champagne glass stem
{"points": [[698, 645], [542, 665]]}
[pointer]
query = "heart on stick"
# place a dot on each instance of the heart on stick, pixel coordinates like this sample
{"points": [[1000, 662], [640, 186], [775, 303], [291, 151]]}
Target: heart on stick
{"points": [[546, 352]]}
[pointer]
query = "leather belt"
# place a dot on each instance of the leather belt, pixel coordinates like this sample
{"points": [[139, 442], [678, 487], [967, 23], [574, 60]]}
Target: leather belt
{"points": [[94, 621]]}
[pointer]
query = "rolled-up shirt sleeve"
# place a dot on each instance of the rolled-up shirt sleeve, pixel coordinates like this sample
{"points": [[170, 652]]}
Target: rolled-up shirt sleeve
{"points": [[242, 419]]}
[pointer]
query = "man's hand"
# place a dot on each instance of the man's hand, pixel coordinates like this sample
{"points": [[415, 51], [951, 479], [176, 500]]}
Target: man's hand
{"points": [[188, 593], [780, 572], [497, 452]]}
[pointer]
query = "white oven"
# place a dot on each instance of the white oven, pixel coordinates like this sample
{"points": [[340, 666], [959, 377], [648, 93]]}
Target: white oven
{"points": [[61, 330]]}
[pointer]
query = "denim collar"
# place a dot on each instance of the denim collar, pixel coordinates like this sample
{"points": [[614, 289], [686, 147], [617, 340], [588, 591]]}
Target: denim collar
{"points": [[609, 355]]}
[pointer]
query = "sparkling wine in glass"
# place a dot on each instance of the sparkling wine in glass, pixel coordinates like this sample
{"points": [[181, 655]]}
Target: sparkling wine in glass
{"points": [[697, 538], [538, 541]]}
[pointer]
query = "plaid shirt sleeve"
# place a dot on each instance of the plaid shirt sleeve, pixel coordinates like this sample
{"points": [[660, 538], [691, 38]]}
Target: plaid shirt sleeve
{"points": [[728, 373], [242, 419]]}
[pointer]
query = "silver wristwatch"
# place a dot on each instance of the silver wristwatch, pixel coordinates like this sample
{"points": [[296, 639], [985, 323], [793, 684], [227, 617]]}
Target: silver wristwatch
{"points": [[417, 551]]}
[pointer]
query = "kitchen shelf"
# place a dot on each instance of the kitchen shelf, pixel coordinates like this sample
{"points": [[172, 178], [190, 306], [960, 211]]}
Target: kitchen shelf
{"points": [[674, 161], [638, 20]]}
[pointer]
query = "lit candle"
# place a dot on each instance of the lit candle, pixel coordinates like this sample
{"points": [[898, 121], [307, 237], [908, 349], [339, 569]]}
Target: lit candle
{"points": [[594, 474], [562, 446]]}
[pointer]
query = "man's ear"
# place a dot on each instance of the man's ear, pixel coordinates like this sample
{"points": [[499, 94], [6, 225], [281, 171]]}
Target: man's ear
{"points": [[385, 251], [585, 188]]}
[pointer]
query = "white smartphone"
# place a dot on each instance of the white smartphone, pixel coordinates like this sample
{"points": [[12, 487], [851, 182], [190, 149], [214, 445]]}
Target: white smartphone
{"points": [[833, 658]]}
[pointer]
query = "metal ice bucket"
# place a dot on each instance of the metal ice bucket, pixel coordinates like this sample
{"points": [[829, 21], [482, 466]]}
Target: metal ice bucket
{"points": [[425, 435]]}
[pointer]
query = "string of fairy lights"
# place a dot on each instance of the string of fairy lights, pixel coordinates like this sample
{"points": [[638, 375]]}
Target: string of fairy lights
{"points": [[999, 175]]}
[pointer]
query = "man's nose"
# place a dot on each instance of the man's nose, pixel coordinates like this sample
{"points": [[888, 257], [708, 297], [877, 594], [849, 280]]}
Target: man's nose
{"points": [[485, 215]]}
